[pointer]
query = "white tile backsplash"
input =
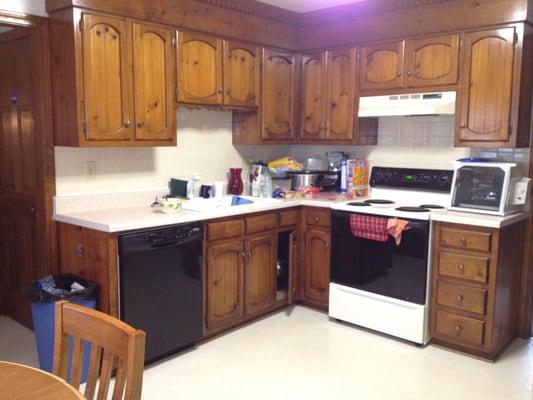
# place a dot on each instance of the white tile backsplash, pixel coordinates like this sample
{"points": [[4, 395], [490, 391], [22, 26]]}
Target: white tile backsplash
{"points": [[205, 147]]}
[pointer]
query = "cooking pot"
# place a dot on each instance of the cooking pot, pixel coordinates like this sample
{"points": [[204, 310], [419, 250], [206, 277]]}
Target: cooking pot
{"points": [[325, 180]]}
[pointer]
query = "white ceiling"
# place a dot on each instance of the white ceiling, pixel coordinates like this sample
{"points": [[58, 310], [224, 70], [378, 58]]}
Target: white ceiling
{"points": [[308, 5]]}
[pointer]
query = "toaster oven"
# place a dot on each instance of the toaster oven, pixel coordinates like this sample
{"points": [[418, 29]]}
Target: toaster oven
{"points": [[489, 188]]}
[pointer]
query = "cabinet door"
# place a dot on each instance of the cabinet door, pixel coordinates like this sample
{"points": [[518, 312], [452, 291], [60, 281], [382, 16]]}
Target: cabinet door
{"points": [[382, 66], [313, 96], [293, 294], [340, 110], [317, 266], [432, 61], [486, 89], [107, 78], [260, 273], [154, 62], [279, 93], [224, 280], [199, 69], [242, 74]]}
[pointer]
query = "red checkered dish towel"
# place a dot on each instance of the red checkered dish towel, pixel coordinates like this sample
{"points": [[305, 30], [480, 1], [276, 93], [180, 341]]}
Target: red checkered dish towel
{"points": [[368, 227]]}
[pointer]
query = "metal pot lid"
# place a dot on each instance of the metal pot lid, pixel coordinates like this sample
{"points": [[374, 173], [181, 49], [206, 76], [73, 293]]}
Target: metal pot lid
{"points": [[312, 172]]}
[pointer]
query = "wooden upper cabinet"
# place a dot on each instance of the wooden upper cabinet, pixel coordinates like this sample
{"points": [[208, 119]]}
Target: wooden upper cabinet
{"points": [[341, 96], [107, 78], [313, 109], [155, 82], [432, 61], [486, 89], [224, 284], [199, 69], [242, 74], [382, 66], [260, 274], [279, 93]]}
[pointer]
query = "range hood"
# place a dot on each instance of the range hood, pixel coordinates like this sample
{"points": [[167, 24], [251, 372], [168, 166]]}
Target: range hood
{"points": [[408, 104]]}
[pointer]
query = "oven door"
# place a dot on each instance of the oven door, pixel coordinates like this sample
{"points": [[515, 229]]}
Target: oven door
{"points": [[397, 271]]}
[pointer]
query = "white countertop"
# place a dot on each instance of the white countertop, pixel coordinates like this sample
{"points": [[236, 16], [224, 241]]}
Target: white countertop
{"points": [[127, 218]]}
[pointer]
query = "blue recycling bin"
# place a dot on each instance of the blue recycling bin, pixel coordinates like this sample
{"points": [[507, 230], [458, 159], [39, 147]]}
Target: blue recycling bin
{"points": [[43, 313]]}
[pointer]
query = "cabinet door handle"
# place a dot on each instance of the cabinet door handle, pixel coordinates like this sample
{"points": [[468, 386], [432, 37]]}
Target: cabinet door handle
{"points": [[399, 74], [80, 252], [228, 91], [460, 299], [463, 125], [464, 241], [458, 329], [127, 124], [317, 219], [326, 244], [221, 90], [461, 268], [140, 124], [409, 73]]}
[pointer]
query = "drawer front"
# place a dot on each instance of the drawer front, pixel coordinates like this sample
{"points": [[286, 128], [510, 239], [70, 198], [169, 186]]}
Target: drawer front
{"points": [[462, 297], [459, 329], [261, 223], [225, 229], [463, 266], [318, 218], [288, 218], [464, 239]]}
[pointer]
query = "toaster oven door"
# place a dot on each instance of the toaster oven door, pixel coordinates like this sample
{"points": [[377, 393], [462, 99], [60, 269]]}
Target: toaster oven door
{"points": [[479, 188]]}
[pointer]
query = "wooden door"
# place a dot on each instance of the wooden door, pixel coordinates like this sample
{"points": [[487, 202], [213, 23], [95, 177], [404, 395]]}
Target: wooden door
{"points": [[224, 281], [279, 93], [154, 72], [199, 69], [382, 66], [340, 102], [317, 265], [486, 90], [432, 61], [21, 225], [260, 273], [242, 74], [313, 96], [294, 268], [107, 78]]}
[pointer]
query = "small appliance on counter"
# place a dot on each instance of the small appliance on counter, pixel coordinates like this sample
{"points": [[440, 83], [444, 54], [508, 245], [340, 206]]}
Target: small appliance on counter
{"points": [[488, 188]]}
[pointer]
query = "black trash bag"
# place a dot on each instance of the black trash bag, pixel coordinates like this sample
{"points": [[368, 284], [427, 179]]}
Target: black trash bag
{"points": [[59, 287]]}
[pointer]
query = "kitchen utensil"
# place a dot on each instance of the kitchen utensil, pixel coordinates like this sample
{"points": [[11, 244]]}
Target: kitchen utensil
{"points": [[325, 180]]}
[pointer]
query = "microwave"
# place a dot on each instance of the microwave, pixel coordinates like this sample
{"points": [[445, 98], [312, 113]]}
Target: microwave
{"points": [[488, 188]]}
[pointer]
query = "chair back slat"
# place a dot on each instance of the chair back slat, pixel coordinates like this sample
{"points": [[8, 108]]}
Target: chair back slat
{"points": [[94, 369], [105, 375], [120, 380], [113, 344], [76, 363]]}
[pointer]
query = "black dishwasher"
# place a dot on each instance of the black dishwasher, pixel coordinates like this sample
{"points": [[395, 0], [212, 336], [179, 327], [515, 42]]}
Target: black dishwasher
{"points": [[160, 273]]}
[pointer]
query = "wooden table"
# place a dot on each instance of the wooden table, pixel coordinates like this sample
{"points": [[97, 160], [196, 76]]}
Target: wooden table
{"points": [[20, 382]]}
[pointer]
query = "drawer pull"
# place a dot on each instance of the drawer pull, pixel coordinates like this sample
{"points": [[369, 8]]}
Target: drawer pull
{"points": [[458, 329], [460, 299], [464, 242], [461, 268], [317, 219]]}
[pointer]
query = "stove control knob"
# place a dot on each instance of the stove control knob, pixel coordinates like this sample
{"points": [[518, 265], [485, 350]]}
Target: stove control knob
{"points": [[424, 177], [387, 176], [444, 180]]}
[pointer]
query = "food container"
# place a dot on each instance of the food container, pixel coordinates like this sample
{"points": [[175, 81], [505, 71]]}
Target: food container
{"points": [[357, 178], [170, 205]]}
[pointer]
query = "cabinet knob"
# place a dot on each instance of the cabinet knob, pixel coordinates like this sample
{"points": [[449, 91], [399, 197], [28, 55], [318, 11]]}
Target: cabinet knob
{"points": [[127, 124], [458, 329], [463, 125], [31, 209], [317, 219], [464, 241], [409, 73], [399, 74], [228, 91], [221, 90], [80, 252], [326, 244], [140, 124], [461, 268], [460, 299]]}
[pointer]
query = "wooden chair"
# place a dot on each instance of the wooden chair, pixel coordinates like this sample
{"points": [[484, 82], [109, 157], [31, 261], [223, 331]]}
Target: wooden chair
{"points": [[114, 344]]}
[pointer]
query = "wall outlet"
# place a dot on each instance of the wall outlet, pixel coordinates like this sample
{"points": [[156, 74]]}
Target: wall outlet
{"points": [[91, 168]]}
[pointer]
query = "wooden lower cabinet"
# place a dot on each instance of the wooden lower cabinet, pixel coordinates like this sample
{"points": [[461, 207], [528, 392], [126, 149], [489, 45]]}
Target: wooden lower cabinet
{"points": [[260, 273], [224, 284], [475, 287], [316, 255]]}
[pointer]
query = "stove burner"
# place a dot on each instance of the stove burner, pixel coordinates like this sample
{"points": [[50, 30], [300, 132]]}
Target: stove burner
{"points": [[359, 204], [412, 209], [432, 206], [379, 201]]}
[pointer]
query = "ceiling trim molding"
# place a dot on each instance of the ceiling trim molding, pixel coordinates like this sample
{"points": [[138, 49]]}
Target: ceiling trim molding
{"points": [[257, 9], [355, 11]]}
